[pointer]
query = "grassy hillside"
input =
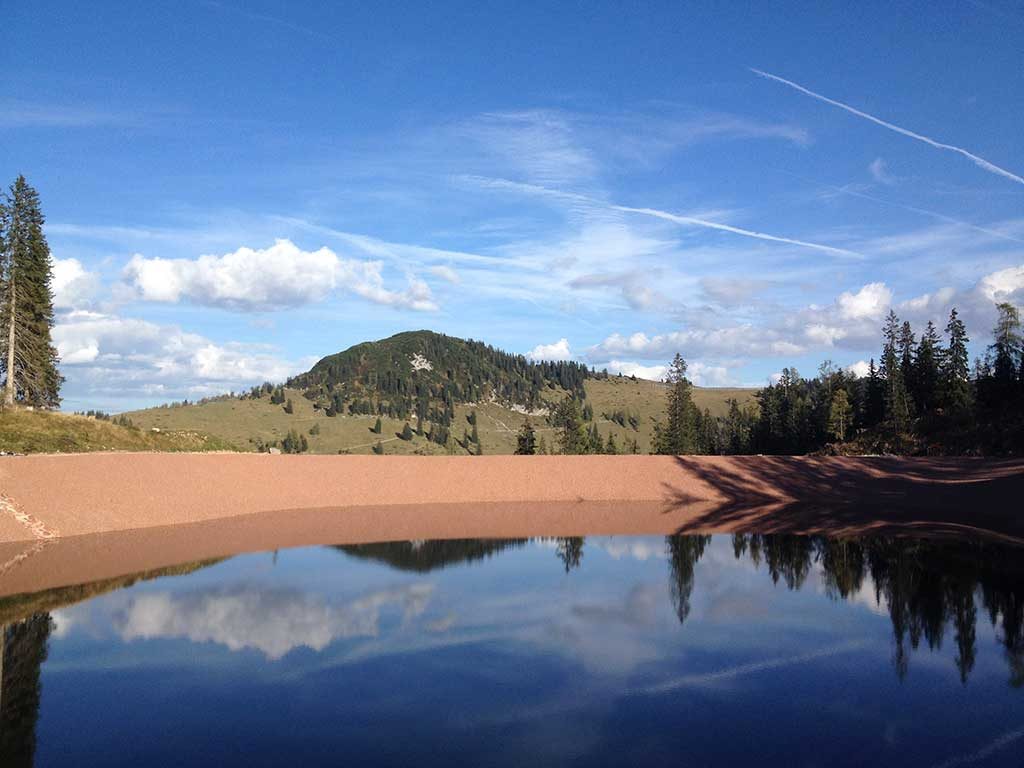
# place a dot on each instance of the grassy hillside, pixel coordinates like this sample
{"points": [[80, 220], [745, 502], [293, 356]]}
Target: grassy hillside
{"points": [[244, 422], [46, 432], [418, 370]]}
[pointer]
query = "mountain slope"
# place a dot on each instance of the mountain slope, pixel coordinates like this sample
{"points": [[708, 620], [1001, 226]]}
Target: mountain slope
{"points": [[444, 380], [410, 371], [23, 431]]}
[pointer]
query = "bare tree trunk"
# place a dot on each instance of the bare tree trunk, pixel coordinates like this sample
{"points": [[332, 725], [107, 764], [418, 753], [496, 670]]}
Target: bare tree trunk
{"points": [[9, 390]]}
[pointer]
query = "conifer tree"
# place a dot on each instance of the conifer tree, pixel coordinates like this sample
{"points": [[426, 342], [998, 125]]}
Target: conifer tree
{"points": [[567, 418], [955, 372], [611, 447], [874, 399], [28, 358], [897, 401], [1006, 347], [288, 407], [679, 435], [526, 442], [926, 369], [907, 350], [377, 426], [406, 432], [839, 414], [378, 448]]}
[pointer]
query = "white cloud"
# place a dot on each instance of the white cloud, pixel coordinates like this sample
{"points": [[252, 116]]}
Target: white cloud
{"points": [[73, 285], [879, 170], [860, 369], [282, 275], [824, 335], [928, 302], [629, 368], [871, 302], [1004, 285], [272, 622], [739, 340], [445, 273], [110, 354], [557, 351], [708, 375]]}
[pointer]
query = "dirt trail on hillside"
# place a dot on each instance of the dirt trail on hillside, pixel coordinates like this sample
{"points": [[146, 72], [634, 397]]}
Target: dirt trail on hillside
{"points": [[121, 512]]}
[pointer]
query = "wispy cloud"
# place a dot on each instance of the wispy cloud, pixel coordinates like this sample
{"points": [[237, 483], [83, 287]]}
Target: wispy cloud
{"points": [[979, 161], [879, 171]]}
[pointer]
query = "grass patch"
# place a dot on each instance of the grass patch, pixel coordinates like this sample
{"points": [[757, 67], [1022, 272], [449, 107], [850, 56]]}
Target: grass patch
{"points": [[23, 431], [243, 423]]}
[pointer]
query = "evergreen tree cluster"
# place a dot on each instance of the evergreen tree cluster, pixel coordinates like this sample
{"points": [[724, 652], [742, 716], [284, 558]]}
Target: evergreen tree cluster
{"points": [[922, 397], [381, 378], [28, 358]]}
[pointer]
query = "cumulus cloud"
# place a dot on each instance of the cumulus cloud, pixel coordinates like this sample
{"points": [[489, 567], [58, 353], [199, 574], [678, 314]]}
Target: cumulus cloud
{"points": [[557, 351], [107, 353], [273, 622], [1004, 285], [282, 275], [73, 286], [871, 302], [860, 369], [629, 368]]}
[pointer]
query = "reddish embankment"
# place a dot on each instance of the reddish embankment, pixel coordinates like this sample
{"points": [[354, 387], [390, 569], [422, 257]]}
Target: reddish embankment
{"points": [[79, 517]]}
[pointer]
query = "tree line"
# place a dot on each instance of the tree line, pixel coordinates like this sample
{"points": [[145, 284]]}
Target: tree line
{"points": [[923, 397]]}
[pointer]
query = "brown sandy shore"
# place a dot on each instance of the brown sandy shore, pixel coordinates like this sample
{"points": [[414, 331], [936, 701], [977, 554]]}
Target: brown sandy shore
{"points": [[67, 519]]}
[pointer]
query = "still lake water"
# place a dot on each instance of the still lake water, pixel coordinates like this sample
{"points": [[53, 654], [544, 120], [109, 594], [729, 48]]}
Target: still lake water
{"points": [[686, 650]]}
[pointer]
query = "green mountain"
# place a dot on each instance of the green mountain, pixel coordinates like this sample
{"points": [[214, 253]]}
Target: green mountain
{"points": [[425, 374], [360, 400]]}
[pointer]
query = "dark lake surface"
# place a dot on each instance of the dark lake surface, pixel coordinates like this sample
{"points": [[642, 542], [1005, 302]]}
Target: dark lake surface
{"points": [[685, 650]]}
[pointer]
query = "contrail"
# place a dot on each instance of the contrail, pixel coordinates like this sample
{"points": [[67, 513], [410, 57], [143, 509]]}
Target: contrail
{"points": [[913, 209], [576, 197], [735, 230], [710, 678], [979, 161], [985, 752]]}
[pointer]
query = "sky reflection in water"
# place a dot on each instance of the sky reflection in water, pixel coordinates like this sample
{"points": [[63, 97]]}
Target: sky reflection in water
{"points": [[681, 650]]}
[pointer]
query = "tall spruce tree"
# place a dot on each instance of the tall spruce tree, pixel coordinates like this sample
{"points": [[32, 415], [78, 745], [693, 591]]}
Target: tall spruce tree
{"points": [[908, 350], [1006, 346], [897, 401], [679, 435], [955, 370], [926, 369], [28, 358]]}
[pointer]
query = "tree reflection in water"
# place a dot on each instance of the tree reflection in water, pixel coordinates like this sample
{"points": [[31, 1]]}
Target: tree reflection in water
{"points": [[926, 585], [23, 648]]}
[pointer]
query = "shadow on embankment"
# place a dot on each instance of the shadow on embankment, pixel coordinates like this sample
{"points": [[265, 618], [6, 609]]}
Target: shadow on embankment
{"points": [[844, 496]]}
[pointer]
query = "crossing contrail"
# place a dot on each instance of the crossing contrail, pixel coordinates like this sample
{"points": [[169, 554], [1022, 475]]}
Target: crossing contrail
{"points": [[979, 161]]}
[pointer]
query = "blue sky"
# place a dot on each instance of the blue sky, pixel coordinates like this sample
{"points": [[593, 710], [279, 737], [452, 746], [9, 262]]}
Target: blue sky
{"points": [[234, 190]]}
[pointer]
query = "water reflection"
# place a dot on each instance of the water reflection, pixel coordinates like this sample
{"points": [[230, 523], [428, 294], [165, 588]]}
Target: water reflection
{"points": [[23, 647], [430, 555], [926, 586], [574, 633]]}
